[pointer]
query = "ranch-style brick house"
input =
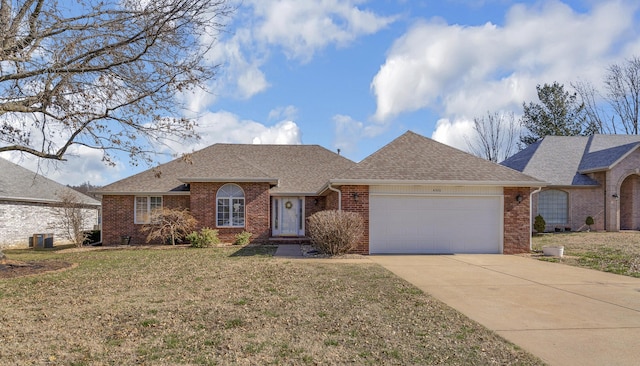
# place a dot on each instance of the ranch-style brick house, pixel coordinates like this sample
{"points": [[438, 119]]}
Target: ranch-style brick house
{"points": [[597, 176], [416, 196]]}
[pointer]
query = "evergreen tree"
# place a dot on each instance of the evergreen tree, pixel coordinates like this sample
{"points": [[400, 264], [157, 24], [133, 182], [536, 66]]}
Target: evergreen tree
{"points": [[559, 113]]}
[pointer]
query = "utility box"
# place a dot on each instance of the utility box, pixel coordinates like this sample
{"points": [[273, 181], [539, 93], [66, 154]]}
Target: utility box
{"points": [[40, 241]]}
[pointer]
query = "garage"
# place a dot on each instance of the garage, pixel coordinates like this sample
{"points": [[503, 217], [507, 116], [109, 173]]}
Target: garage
{"points": [[433, 219]]}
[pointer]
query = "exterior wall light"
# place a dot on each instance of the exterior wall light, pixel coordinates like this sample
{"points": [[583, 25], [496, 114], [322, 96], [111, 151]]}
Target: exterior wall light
{"points": [[355, 196], [519, 198], [615, 195]]}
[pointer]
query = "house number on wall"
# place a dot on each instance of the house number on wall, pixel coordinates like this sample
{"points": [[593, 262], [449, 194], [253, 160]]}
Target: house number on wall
{"points": [[437, 190]]}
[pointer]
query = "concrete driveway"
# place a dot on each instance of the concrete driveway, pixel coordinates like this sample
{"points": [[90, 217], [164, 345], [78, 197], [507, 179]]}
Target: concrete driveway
{"points": [[564, 315]]}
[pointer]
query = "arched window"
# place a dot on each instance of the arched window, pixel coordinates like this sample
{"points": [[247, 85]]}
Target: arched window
{"points": [[553, 205], [230, 206]]}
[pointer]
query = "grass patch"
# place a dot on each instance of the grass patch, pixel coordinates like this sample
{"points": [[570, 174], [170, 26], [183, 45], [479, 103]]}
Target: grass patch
{"points": [[617, 253], [143, 306]]}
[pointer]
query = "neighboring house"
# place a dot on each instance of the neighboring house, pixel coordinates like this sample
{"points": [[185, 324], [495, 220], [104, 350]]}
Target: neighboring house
{"points": [[416, 196], [597, 176], [31, 204]]}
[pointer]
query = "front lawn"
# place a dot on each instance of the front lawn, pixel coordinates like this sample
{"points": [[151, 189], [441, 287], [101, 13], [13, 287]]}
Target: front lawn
{"points": [[230, 306], [610, 252]]}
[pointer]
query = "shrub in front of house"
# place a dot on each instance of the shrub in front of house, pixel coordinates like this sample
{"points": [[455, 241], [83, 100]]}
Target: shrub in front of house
{"points": [[539, 224], [206, 237], [589, 221], [242, 238], [335, 232]]}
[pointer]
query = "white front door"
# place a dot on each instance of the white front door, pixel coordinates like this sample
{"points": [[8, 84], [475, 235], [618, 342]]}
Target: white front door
{"points": [[288, 216]]}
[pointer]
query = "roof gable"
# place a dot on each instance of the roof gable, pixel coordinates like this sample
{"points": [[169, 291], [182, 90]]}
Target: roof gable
{"points": [[565, 160], [295, 168], [415, 158], [21, 184]]}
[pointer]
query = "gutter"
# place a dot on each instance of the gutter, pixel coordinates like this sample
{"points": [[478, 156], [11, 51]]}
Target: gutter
{"points": [[339, 196], [530, 214]]}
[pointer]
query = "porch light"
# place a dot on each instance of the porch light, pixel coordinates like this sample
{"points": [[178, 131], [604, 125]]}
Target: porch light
{"points": [[519, 198], [615, 195], [355, 196]]}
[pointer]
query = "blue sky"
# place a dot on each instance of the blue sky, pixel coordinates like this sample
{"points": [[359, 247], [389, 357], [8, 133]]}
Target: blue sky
{"points": [[355, 74]]}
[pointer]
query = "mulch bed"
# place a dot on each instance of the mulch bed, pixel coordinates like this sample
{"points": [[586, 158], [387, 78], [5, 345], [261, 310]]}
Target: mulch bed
{"points": [[13, 269]]}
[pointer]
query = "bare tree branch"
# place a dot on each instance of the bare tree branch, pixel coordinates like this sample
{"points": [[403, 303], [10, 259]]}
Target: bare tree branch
{"points": [[494, 136], [622, 84], [101, 73]]}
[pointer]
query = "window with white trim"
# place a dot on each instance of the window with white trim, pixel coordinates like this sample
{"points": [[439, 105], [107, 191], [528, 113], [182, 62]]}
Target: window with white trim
{"points": [[144, 205], [553, 205], [230, 206]]}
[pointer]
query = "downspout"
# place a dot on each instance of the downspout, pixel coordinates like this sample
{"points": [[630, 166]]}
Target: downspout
{"points": [[339, 196], [530, 215]]}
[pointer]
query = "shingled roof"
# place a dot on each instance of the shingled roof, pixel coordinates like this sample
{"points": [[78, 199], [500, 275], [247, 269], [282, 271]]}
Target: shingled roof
{"points": [[21, 184], [291, 169], [412, 158], [565, 160]]}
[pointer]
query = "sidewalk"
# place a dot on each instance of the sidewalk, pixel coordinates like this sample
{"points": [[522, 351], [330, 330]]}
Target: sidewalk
{"points": [[289, 251]]}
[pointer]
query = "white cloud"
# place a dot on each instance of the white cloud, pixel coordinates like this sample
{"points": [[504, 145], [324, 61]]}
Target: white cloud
{"points": [[298, 28], [226, 127], [302, 28], [83, 164], [240, 59], [348, 132], [453, 133], [461, 72], [288, 112]]}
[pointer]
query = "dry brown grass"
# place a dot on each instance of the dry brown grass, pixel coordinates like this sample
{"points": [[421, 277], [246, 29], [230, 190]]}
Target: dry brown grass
{"points": [[231, 306], [616, 252]]}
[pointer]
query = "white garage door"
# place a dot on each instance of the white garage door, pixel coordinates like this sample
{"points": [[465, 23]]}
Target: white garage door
{"points": [[427, 224]]}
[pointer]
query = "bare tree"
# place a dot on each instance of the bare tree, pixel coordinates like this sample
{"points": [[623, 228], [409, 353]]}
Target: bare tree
{"points": [[494, 136], [101, 73], [622, 84], [169, 224], [596, 116], [72, 218]]}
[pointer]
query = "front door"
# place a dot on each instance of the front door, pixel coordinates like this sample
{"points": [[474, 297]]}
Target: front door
{"points": [[288, 216]]}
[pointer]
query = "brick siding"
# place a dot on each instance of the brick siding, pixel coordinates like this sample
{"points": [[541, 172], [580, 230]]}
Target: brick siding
{"points": [[118, 213], [361, 206], [609, 213], [517, 226]]}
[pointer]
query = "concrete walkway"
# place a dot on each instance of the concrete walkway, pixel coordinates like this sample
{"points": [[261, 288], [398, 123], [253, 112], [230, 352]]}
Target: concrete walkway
{"points": [[288, 251], [564, 315]]}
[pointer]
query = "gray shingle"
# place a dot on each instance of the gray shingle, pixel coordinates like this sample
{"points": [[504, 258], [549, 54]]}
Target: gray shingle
{"points": [[563, 160], [18, 183], [298, 168], [412, 157]]}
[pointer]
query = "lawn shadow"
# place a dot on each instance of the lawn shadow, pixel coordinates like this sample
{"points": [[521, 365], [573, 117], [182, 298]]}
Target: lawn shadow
{"points": [[255, 251]]}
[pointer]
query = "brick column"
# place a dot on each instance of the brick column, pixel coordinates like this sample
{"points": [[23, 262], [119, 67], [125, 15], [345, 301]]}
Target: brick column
{"points": [[517, 223]]}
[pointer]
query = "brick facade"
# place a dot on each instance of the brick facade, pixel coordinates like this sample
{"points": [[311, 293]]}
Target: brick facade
{"points": [[360, 206], [609, 212], [118, 211], [517, 226], [119, 218]]}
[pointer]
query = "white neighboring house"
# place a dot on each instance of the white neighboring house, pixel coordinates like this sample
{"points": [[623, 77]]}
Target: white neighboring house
{"points": [[31, 204]]}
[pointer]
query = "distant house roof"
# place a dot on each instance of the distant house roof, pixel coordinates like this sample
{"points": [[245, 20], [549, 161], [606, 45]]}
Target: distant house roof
{"points": [[565, 160], [291, 169], [21, 184], [412, 158]]}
